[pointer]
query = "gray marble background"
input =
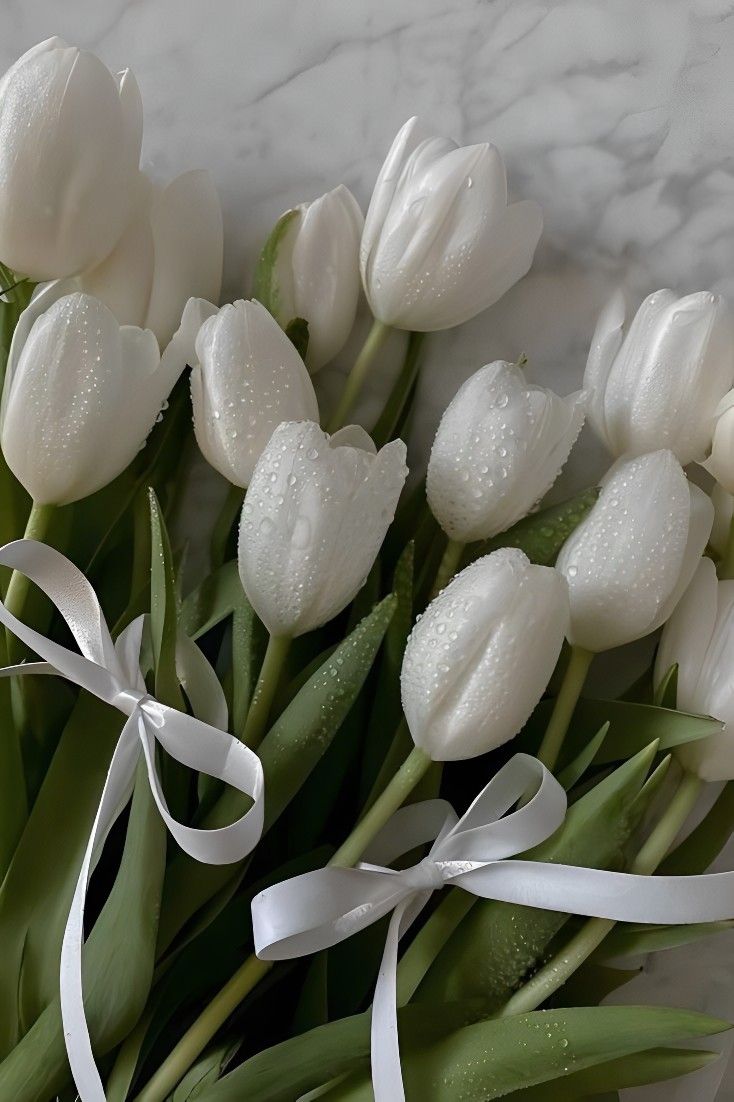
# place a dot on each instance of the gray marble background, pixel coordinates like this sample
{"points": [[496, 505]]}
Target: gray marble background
{"points": [[616, 115]]}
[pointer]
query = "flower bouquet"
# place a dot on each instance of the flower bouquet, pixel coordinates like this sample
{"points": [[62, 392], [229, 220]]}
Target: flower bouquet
{"points": [[309, 801]]}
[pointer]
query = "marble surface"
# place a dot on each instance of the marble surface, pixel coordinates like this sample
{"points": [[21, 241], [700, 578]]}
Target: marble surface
{"points": [[617, 116]]}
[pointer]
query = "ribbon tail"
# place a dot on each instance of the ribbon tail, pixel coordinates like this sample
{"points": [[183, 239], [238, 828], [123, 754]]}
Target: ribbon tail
{"points": [[387, 1076], [115, 793]]}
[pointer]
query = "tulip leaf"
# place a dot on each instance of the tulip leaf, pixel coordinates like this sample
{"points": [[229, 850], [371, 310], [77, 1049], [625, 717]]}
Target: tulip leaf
{"points": [[266, 288], [207, 1070], [163, 610], [576, 769], [497, 944], [212, 601], [630, 940], [398, 400], [667, 691], [289, 752], [541, 535], [592, 983], [705, 842], [491, 1059]]}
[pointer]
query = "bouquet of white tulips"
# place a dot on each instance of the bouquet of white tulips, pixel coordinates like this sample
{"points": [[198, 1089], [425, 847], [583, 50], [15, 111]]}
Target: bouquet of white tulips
{"points": [[240, 856]]}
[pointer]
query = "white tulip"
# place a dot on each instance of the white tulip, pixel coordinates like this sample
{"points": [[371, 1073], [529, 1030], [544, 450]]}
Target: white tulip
{"points": [[721, 461], [310, 269], [81, 395], [170, 251], [247, 378], [315, 516], [630, 560], [479, 659], [70, 136], [499, 448], [699, 637], [656, 382], [440, 242]]}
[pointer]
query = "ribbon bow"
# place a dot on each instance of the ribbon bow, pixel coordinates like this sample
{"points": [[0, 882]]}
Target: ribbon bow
{"points": [[111, 672], [319, 909]]}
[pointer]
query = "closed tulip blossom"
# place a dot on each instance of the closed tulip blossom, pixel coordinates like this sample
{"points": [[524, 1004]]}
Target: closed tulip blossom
{"points": [[81, 395], [247, 378], [720, 462], [631, 559], [317, 510], [699, 638], [310, 269], [499, 448], [440, 242], [481, 656], [171, 250], [656, 382], [70, 136]]}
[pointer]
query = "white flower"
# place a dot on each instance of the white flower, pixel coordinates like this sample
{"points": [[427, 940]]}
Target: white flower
{"points": [[699, 637], [481, 656], [81, 395], [70, 137], [247, 378], [310, 269], [499, 448], [440, 242], [630, 560], [170, 251], [656, 382], [721, 461], [315, 516]]}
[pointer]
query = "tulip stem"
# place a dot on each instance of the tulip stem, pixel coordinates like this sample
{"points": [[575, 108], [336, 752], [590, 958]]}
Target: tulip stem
{"points": [[430, 940], [262, 698], [448, 566], [390, 799], [563, 709], [197, 1037], [16, 594], [726, 566], [555, 973], [356, 378]]}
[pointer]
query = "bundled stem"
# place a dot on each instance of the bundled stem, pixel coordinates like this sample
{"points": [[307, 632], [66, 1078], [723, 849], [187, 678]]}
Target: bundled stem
{"points": [[267, 683]]}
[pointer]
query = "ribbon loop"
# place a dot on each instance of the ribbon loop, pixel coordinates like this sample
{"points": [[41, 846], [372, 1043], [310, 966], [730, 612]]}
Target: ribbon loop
{"points": [[478, 852], [112, 673]]}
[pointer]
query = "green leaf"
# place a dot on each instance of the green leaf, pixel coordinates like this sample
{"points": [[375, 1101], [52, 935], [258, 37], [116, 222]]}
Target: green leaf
{"points": [[289, 753], [592, 983], [297, 333], [490, 1059], [163, 610], [248, 648], [541, 535], [666, 693], [265, 287], [630, 940], [400, 395], [497, 944], [575, 769], [117, 963], [637, 1070], [212, 601], [705, 842], [206, 1070]]}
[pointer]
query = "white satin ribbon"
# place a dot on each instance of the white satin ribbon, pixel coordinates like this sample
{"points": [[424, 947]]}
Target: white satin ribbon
{"points": [[111, 672], [321, 908]]}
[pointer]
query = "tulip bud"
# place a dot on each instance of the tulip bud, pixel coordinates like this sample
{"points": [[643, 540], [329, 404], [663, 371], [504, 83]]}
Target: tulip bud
{"points": [[479, 659], [656, 382], [699, 638], [247, 380], [315, 516], [499, 448], [440, 243], [70, 137], [628, 563], [171, 251], [81, 395], [309, 269]]}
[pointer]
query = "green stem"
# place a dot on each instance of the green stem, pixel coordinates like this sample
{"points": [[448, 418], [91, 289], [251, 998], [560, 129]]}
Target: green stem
{"points": [[389, 420], [223, 525], [563, 709], [197, 1037], [410, 772], [555, 973], [18, 586], [448, 566], [262, 698], [429, 942], [726, 566], [356, 378]]}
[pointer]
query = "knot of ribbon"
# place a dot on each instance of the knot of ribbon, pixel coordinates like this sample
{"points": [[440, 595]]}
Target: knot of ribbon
{"points": [[111, 672], [478, 852]]}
